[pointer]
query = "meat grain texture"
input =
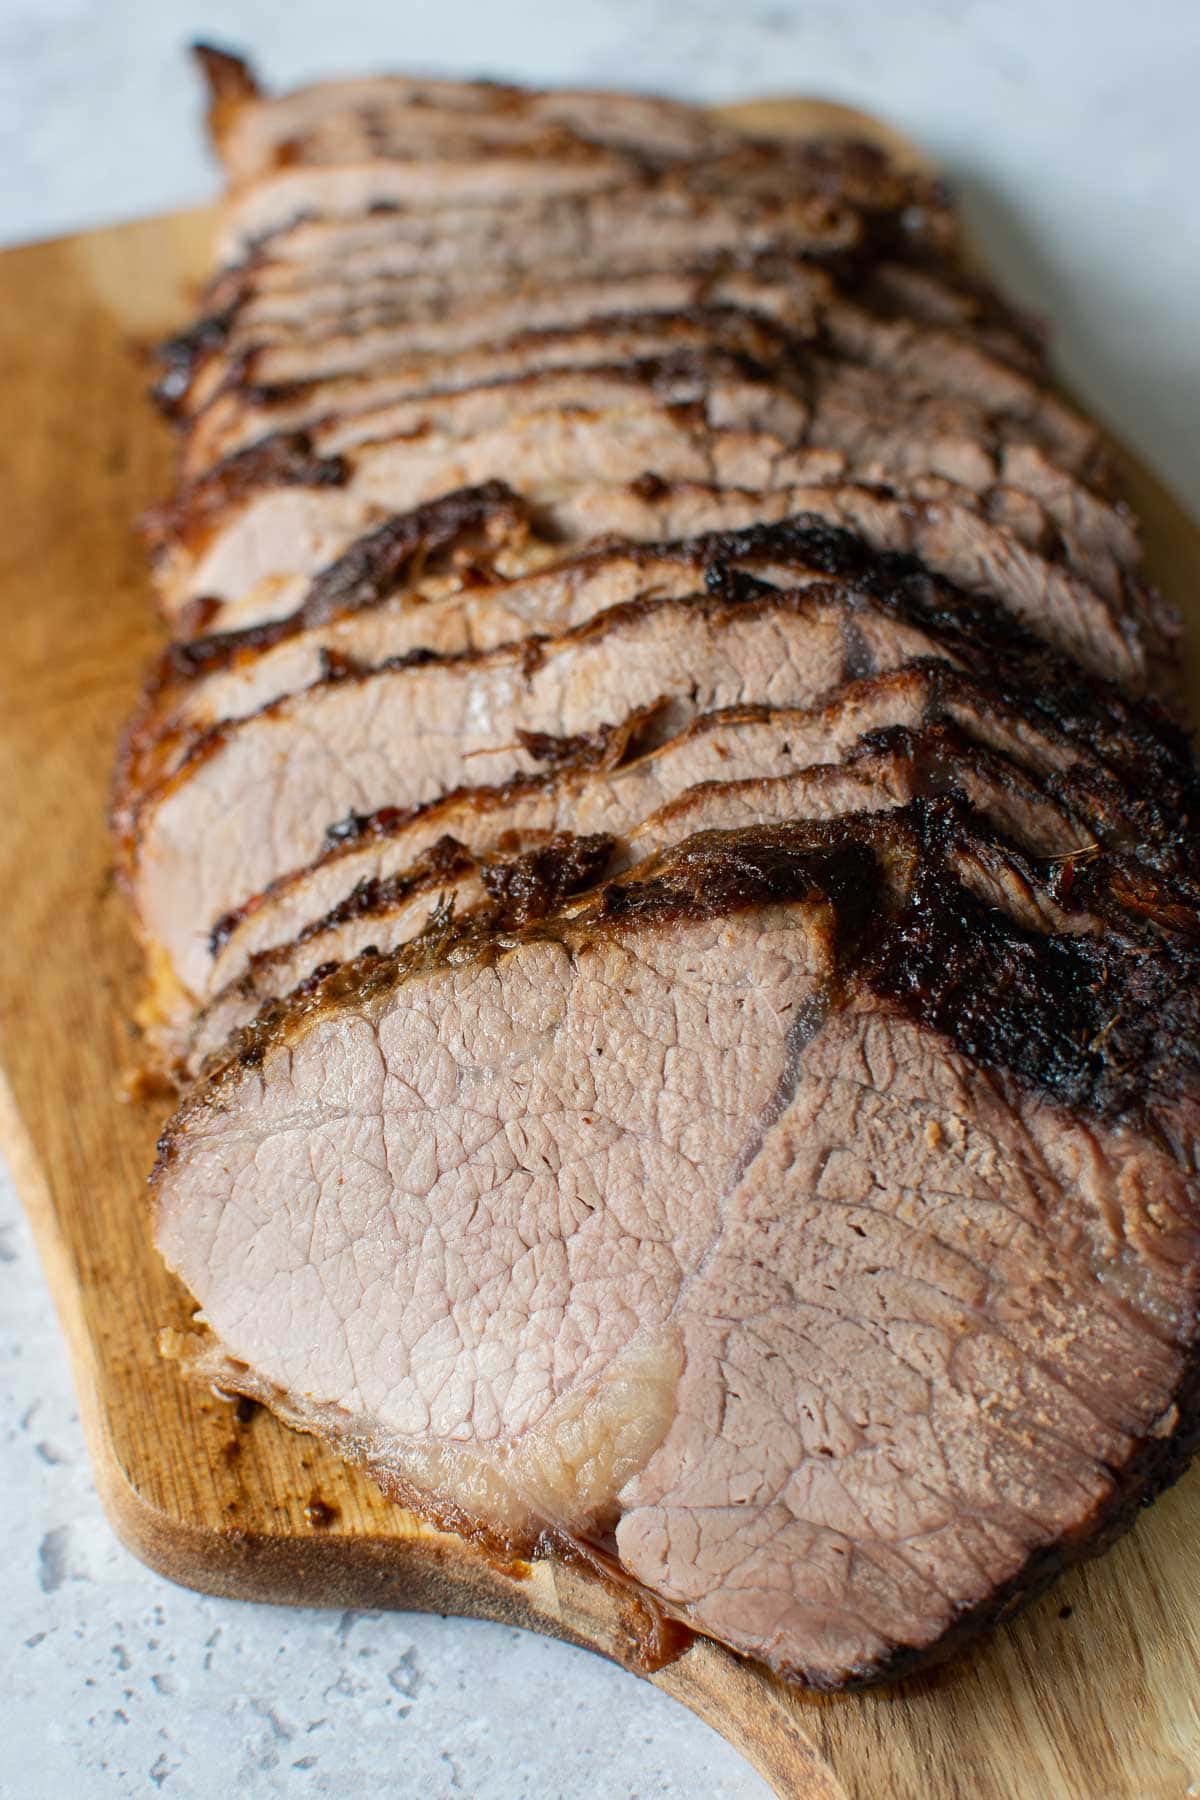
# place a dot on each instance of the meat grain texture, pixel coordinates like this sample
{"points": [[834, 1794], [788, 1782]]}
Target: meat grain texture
{"points": [[667, 861]]}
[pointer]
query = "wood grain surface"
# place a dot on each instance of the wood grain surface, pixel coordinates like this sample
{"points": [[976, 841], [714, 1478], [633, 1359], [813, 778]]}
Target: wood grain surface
{"points": [[1093, 1692]]}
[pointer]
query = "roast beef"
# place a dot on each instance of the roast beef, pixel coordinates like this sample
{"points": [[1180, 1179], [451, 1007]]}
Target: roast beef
{"points": [[382, 915], [401, 734], [922, 360], [222, 358], [256, 527], [261, 549], [241, 415], [546, 1169], [253, 132], [396, 591], [665, 865]]}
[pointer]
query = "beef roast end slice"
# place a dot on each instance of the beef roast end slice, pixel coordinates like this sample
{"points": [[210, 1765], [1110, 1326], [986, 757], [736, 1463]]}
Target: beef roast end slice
{"points": [[673, 1230]]}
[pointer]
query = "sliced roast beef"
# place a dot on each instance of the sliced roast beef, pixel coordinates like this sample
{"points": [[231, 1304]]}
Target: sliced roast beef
{"points": [[372, 853], [402, 735], [806, 1203], [398, 735], [253, 545], [315, 333], [932, 361], [218, 358], [254, 133], [242, 548], [660, 781], [238, 418], [1092, 777], [383, 915], [736, 390], [514, 175], [217, 681], [408, 157], [474, 213], [392, 593], [888, 428], [264, 547]]}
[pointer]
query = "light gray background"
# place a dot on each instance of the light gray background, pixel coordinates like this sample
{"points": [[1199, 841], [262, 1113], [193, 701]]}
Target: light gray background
{"points": [[1073, 132]]}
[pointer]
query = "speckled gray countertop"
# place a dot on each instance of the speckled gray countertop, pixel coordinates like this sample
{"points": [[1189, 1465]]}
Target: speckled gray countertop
{"points": [[1073, 133]]}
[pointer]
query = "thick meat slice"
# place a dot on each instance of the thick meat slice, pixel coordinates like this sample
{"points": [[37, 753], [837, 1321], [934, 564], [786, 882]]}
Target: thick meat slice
{"points": [[736, 391], [218, 545], [787, 1223], [518, 211], [253, 133], [243, 533], [220, 359], [449, 613], [362, 610], [927, 361], [253, 800], [239, 417], [513, 174], [785, 189], [888, 427], [1054, 795], [370, 855], [876, 777], [395, 153]]}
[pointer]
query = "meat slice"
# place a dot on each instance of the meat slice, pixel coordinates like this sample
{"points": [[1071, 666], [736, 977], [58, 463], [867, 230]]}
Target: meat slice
{"points": [[784, 1223], [219, 545], [372, 855], [239, 417], [242, 527], [657, 850], [738, 391], [253, 132], [396, 590], [525, 880], [480, 176], [784, 189], [319, 337], [364, 148], [253, 799], [445, 612], [322, 329], [1052, 790], [887, 427], [402, 735], [522, 210], [932, 361]]}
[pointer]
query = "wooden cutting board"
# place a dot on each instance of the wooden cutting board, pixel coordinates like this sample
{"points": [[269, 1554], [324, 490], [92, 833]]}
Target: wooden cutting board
{"points": [[1094, 1692]]}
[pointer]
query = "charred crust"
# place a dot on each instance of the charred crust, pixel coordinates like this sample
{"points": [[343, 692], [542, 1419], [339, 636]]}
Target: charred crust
{"points": [[228, 76], [1099, 1024], [374, 567], [180, 358], [530, 885], [1145, 753], [285, 460]]}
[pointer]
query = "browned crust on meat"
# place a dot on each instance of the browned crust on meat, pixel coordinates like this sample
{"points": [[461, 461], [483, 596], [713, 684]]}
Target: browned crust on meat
{"points": [[1075, 981], [1104, 1029], [1135, 736], [285, 460], [465, 526], [1105, 1025], [231, 83]]}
